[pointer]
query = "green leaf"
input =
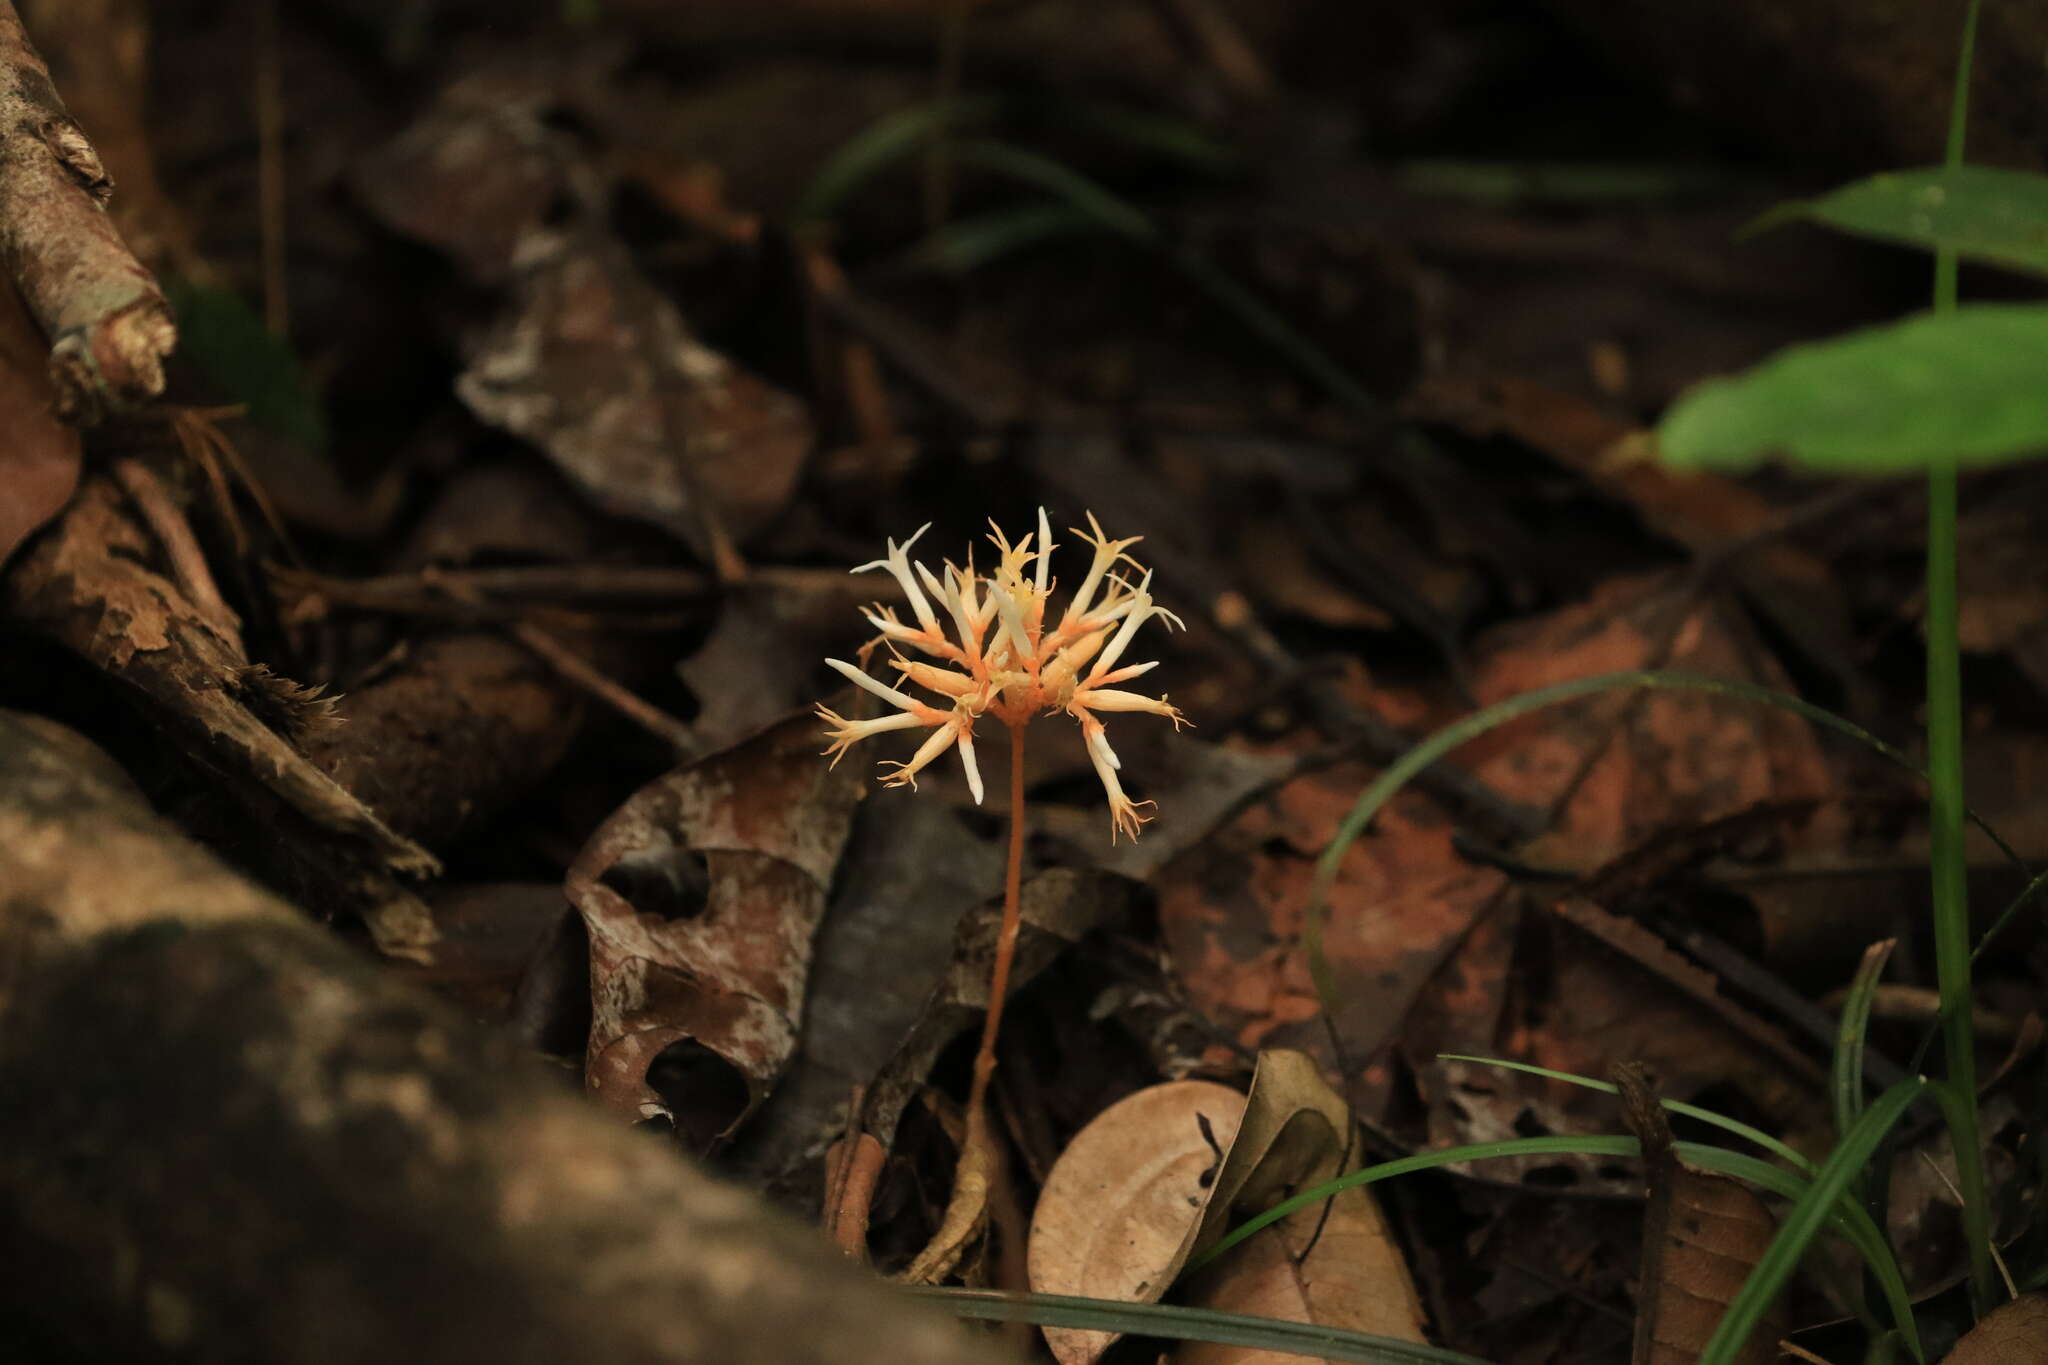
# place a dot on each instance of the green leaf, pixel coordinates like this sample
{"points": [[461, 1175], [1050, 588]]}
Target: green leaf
{"points": [[223, 337], [1807, 1216], [1186, 1324], [1981, 213], [1963, 387]]}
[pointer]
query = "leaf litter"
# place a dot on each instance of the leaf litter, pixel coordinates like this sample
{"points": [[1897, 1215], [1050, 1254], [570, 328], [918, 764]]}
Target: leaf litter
{"points": [[582, 391]]}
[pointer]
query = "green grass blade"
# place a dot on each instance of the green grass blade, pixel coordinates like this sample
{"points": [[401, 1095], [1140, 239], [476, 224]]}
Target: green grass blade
{"points": [[1185, 1324], [1142, 130], [1847, 1217], [968, 244], [882, 143], [1850, 1218], [1846, 1081], [1062, 182], [1421, 1161], [1721, 1121], [1804, 1221], [1980, 213], [2028, 894], [1945, 808], [1961, 386]]}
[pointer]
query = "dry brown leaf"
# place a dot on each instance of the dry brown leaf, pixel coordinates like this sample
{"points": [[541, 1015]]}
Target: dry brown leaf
{"points": [[588, 360], [1119, 1212], [701, 895], [1232, 911], [1336, 1263], [596, 367], [39, 458], [2008, 1335], [1622, 767], [1146, 1185], [1703, 1233]]}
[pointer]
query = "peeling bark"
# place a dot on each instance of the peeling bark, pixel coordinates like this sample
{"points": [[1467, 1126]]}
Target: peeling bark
{"points": [[229, 1138], [108, 325], [91, 585]]}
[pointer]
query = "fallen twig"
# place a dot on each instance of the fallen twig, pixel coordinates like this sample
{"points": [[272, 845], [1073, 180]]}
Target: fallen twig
{"points": [[108, 325]]}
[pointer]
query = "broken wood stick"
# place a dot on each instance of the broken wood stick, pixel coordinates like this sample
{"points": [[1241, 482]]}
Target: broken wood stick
{"points": [[229, 1137], [107, 322]]}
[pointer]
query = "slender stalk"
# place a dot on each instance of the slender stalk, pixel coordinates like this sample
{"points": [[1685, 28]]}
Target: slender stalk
{"points": [[1945, 785], [1006, 938]]}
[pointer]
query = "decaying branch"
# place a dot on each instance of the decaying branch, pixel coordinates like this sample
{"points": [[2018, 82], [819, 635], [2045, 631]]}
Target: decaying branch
{"points": [[91, 585], [108, 325], [228, 1137]]}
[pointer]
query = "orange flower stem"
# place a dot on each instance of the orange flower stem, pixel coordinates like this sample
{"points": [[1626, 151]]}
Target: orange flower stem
{"points": [[1006, 938]]}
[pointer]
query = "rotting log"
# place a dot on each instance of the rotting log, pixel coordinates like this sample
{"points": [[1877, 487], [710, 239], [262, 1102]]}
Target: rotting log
{"points": [[227, 1136]]}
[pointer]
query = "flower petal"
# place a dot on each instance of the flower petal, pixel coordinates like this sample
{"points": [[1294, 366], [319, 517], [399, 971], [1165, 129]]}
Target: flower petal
{"points": [[936, 744], [967, 762], [882, 690], [897, 562]]}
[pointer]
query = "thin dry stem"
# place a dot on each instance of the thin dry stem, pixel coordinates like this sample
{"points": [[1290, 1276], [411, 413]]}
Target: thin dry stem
{"points": [[1006, 938]]}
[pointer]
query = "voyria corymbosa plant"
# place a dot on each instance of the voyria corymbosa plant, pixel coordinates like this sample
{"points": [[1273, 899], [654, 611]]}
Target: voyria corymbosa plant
{"points": [[988, 645]]}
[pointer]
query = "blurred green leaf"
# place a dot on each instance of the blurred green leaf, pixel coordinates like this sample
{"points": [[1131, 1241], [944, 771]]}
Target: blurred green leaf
{"points": [[221, 335], [1160, 135], [1981, 213], [1965, 386], [881, 144], [971, 243]]}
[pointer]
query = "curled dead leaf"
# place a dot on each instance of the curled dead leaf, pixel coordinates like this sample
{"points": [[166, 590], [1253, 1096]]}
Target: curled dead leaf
{"points": [[701, 895], [587, 359], [1165, 1173], [1119, 1211], [1335, 1263]]}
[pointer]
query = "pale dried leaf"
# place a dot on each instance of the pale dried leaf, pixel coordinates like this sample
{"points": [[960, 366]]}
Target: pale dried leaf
{"points": [[1334, 1263], [2008, 1335], [1119, 1211]]}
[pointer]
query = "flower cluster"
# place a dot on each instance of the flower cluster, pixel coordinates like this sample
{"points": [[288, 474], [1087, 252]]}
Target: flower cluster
{"points": [[1003, 657]]}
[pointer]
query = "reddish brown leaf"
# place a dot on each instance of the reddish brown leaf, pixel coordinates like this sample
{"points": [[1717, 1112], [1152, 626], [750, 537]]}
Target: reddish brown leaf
{"points": [[1702, 1235], [39, 457]]}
